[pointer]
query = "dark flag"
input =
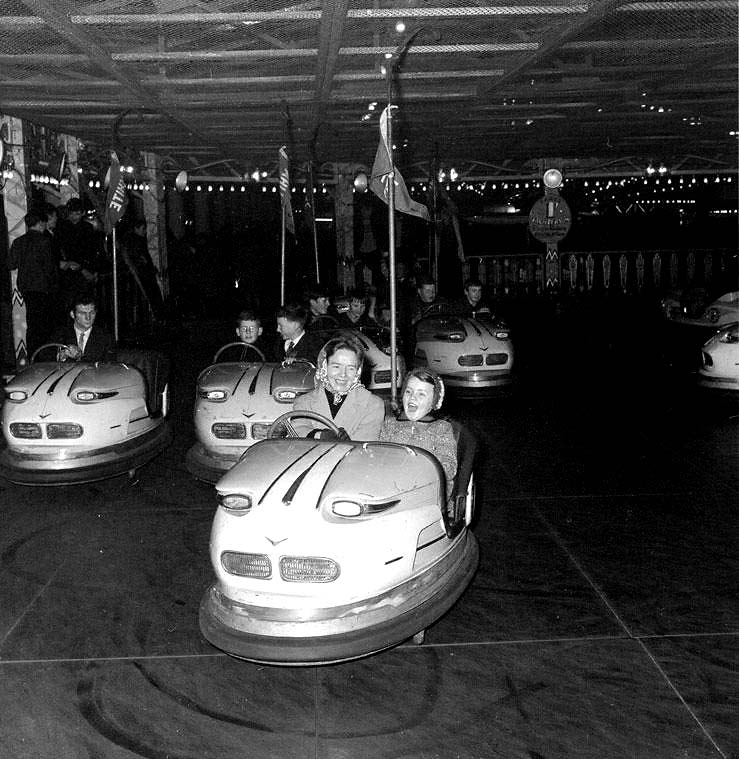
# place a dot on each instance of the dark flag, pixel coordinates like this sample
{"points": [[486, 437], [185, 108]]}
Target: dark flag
{"points": [[380, 184], [285, 191], [116, 198]]}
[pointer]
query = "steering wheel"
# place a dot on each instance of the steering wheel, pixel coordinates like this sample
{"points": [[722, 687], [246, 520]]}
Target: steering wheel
{"points": [[434, 308], [286, 421], [246, 348], [298, 360], [44, 346], [330, 321]]}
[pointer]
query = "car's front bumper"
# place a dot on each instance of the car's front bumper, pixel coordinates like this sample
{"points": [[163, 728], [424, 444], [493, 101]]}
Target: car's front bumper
{"points": [[303, 637], [481, 379], [70, 466], [206, 465]]}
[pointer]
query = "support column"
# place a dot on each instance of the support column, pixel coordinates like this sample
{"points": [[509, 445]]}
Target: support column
{"points": [[16, 205], [344, 214], [155, 215]]}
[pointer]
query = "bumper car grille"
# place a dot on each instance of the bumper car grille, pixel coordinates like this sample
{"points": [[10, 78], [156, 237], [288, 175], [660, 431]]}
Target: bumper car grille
{"points": [[229, 430], [25, 430], [470, 360], [63, 430], [308, 569], [255, 565], [494, 359]]}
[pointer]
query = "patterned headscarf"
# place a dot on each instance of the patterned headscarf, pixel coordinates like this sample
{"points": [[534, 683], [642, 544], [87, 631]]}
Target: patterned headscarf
{"points": [[321, 378]]}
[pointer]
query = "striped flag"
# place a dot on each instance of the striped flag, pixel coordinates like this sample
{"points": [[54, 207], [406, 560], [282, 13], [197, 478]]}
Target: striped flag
{"points": [[285, 190]]}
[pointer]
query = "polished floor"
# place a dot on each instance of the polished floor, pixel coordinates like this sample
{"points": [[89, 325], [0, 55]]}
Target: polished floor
{"points": [[602, 622]]}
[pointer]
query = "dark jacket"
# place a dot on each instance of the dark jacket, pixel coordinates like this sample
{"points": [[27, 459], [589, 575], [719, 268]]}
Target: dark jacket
{"points": [[38, 270], [307, 348], [99, 345]]}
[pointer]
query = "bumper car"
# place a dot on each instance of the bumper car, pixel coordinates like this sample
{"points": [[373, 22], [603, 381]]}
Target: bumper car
{"points": [[75, 422], [236, 402], [693, 308], [470, 354], [328, 550], [375, 340], [720, 360]]}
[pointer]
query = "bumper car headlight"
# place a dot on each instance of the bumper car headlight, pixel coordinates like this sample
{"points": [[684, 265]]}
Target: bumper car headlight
{"points": [[350, 508], [213, 395], [86, 396], [17, 396], [450, 337], [236, 502], [285, 396]]}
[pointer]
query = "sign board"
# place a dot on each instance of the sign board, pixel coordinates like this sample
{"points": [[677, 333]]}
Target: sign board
{"points": [[550, 218]]}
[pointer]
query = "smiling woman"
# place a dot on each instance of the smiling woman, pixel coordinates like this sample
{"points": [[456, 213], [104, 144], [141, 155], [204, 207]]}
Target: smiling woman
{"points": [[339, 393]]}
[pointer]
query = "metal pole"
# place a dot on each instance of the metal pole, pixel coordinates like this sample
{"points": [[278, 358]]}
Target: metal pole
{"points": [[115, 288], [312, 202], [282, 259], [391, 261]]}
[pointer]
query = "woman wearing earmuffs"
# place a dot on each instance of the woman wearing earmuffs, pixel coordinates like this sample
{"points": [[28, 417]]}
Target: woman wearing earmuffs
{"points": [[423, 392]]}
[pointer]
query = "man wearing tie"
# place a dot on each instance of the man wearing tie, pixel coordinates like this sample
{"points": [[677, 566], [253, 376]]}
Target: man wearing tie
{"points": [[84, 340], [295, 341]]}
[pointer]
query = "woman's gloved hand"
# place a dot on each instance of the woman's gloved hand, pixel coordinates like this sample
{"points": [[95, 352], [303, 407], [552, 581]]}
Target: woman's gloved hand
{"points": [[330, 434]]}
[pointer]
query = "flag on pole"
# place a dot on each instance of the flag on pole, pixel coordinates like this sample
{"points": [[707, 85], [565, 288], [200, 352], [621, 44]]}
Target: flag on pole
{"points": [[285, 191], [380, 184], [116, 198]]}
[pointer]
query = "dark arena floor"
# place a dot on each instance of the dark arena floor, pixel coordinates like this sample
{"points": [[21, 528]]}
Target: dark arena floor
{"points": [[602, 622]]}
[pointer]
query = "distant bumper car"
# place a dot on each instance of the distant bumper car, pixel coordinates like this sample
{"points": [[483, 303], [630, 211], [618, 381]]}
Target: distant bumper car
{"points": [[326, 551], [720, 360], [470, 354], [236, 402], [74, 422], [693, 308]]}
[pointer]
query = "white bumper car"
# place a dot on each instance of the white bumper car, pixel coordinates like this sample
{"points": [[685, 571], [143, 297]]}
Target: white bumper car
{"points": [[719, 368], [73, 422], [236, 403], [470, 354], [326, 551]]}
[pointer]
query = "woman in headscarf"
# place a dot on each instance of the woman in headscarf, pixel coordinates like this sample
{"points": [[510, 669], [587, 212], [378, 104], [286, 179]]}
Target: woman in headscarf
{"points": [[339, 394], [423, 393]]}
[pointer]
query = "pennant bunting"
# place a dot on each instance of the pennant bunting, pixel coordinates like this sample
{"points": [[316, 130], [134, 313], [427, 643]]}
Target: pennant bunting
{"points": [[381, 170]]}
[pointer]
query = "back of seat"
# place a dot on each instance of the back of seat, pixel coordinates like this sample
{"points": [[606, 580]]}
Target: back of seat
{"points": [[466, 449], [155, 368]]}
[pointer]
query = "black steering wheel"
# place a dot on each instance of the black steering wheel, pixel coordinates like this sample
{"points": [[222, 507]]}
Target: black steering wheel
{"points": [[43, 347], [291, 361], [285, 422], [246, 348], [317, 320], [434, 308]]}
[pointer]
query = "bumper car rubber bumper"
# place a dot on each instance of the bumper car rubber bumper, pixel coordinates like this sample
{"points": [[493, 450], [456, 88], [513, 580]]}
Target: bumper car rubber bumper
{"points": [[477, 380], [85, 466], [301, 637], [204, 465]]}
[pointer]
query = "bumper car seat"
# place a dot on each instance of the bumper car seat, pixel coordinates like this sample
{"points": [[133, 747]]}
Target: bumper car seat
{"points": [[466, 450], [155, 368]]}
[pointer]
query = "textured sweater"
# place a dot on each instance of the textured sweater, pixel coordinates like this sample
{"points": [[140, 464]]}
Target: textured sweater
{"points": [[436, 437]]}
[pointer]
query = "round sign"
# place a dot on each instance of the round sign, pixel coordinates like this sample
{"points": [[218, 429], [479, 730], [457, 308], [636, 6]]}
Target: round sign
{"points": [[550, 218]]}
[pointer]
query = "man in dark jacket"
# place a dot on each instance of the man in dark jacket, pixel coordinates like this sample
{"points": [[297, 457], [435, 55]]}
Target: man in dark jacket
{"points": [[31, 257], [84, 340], [295, 342]]}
